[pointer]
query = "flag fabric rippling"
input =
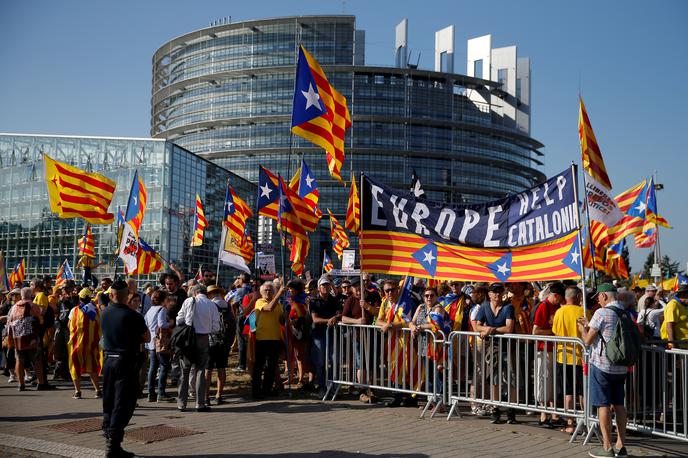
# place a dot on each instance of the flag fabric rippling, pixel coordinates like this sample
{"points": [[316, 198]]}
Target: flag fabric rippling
{"points": [[353, 209], [200, 224], [86, 243]]}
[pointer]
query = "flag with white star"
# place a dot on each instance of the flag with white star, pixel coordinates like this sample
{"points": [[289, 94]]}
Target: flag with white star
{"points": [[427, 257], [573, 258], [267, 193], [306, 186], [501, 268], [416, 188]]}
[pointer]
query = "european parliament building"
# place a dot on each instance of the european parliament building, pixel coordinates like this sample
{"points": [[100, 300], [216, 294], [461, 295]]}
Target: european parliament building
{"points": [[172, 176], [225, 93]]}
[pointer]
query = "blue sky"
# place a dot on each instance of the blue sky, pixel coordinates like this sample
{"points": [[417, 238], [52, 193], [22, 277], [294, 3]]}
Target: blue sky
{"points": [[84, 68]]}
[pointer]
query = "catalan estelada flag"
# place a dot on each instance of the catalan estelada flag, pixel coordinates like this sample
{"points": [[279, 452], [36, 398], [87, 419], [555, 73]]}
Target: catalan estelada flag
{"points": [[136, 206], [148, 260], [298, 254], [327, 262], [200, 224], [393, 253], [64, 273], [237, 212], [651, 214], [319, 114], [340, 241], [353, 209], [288, 220], [647, 237], [303, 211], [86, 244], [306, 187], [75, 193], [18, 275], [633, 203], [246, 248], [84, 340], [268, 192], [592, 156]]}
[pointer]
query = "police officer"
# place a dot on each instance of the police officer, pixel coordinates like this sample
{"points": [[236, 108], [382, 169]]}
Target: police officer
{"points": [[123, 332]]}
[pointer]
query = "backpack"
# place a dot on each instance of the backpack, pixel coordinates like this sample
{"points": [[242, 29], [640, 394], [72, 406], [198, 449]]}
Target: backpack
{"points": [[24, 331], [623, 349], [183, 340]]}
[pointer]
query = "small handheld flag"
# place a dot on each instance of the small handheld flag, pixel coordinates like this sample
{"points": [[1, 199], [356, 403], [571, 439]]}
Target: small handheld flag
{"points": [[86, 244], [136, 205], [200, 224], [327, 262]]}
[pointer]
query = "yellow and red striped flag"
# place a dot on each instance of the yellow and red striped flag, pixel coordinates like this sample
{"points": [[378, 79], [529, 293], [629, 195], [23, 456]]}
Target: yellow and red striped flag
{"points": [[148, 260], [74, 193], [246, 249], [199, 225], [305, 185], [353, 209], [64, 273], [237, 212], [319, 113], [340, 241], [86, 244], [268, 193], [18, 275], [592, 156], [136, 206], [299, 252]]}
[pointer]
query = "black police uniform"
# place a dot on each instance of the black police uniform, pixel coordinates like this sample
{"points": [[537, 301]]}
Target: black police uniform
{"points": [[123, 331]]}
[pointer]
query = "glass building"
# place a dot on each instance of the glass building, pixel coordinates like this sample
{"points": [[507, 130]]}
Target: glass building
{"points": [[172, 176], [225, 93]]}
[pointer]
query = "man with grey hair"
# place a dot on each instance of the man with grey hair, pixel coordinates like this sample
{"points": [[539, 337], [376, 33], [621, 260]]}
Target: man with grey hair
{"points": [[201, 313], [607, 380]]}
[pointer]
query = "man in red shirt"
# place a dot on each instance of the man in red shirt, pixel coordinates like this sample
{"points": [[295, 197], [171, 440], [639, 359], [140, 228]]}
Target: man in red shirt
{"points": [[544, 371]]}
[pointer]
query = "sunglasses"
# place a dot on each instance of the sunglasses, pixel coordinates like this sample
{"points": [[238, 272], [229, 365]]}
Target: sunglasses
{"points": [[389, 290], [430, 295]]}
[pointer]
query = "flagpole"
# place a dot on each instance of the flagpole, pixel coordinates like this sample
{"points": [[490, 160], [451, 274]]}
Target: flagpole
{"points": [[360, 242], [578, 238], [322, 267], [222, 239], [192, 232], [76, 237], [589, 241], [658, 253]]}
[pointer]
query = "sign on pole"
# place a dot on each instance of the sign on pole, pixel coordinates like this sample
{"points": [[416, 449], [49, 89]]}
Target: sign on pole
{"points": [[265, 265], [348, 260]]}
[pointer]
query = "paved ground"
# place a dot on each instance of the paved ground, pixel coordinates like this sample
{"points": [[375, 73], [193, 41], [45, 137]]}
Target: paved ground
{"points": [[283, 427]]}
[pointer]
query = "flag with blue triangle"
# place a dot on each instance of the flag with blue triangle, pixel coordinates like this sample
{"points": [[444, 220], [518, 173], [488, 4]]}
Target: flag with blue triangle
{"points": [[501, 268], [427, 257]]}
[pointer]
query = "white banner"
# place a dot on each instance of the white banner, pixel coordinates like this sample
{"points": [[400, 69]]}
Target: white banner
{"points": [[231, 258], [128, 247], [601, 205], [348, 260], [265, 263]]}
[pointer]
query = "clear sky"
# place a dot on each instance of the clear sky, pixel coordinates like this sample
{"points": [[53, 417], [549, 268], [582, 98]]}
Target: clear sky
{"points": [[83, 67]]}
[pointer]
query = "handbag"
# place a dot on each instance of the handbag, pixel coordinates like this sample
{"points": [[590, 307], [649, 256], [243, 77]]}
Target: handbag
{"points": [[183, 340], [24, 332], [162, 339]]}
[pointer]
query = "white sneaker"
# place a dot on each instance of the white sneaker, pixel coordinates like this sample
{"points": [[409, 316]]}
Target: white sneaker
{"points": [[12, 379]]}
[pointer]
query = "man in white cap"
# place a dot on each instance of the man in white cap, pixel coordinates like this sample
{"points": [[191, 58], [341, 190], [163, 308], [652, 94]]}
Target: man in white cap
{"points": [[325, 313], [650, 291]]}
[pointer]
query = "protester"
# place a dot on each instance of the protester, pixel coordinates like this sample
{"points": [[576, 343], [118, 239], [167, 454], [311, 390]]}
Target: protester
{"points": [[570, 362], [542, 326], [299, 337], [242, 292], [650, 318], [675, 325], [607, 381], [24, 321], [650, 291], [493, 319], [84, 343], [201, 313], [268, 340], [220, 342], [123, 333], [159, 325], [325, 313]]}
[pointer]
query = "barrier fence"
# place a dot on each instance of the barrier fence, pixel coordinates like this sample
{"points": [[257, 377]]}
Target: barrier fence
{"points": [[532, 373]]}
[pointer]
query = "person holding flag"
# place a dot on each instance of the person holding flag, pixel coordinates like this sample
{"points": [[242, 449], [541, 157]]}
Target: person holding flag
{"points": [[83, 345], [87, 257]]}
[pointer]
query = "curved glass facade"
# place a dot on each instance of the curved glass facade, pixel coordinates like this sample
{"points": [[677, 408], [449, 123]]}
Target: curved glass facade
{"points": [[225, 93]]}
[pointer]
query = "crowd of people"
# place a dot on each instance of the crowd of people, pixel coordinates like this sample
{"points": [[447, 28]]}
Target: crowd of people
{"points": [[279, 331]]}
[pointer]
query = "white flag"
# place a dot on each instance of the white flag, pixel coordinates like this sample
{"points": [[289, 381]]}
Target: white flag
{"points": [[230, 254], [128, 247], [601, 206]]}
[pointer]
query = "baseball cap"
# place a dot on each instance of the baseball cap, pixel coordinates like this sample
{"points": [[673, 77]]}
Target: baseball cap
{"points": [[85, 293], [605, 288], [323, 281], [651, 288], [496, 288]]}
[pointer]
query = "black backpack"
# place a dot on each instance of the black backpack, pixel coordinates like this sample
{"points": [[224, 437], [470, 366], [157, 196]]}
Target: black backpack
{"points": [[183, 340]]}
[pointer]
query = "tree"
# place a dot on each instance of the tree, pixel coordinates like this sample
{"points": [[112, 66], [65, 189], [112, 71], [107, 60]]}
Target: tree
{"points": [[649, 261], [626, 258], [669, 267]]}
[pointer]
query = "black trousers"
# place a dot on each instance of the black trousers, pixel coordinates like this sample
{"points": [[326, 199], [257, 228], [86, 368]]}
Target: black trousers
{"points": [[264, 366], [120, 391]]}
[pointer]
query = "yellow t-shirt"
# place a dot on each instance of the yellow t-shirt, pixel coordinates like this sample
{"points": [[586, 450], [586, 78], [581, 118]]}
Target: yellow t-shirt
{"points": [[383, 314], [41, 299], [677, 314], [564, 324], [268, 323]]}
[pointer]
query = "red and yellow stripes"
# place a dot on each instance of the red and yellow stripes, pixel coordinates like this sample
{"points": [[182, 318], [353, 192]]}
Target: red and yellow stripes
{"points": [[83, 345], [75, 193], [391, 253], [246, 249], [340, 241], [200, 224], [328, 130], [592, 156], [299, 252], [86, 244], [353, 209]]}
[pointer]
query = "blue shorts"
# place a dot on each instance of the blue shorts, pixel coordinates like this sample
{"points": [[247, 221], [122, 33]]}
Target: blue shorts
{"points": [[606, 389]]}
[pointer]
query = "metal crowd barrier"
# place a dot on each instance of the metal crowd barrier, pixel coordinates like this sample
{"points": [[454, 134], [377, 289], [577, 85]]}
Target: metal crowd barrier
{"points": [[397, 361], [515, 371], [657, 393], [510, 371]]}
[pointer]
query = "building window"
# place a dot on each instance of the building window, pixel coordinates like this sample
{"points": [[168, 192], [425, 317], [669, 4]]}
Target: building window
{"points": [[478, 68], [502, 77], [518, 88], [379, 79]]}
